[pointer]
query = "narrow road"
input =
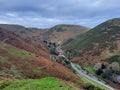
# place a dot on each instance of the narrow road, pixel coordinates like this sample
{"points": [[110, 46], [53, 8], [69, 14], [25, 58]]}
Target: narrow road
{"points": [[82, 72], [92, 78]]}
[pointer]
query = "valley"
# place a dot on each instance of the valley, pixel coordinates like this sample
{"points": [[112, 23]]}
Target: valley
{"points": [[73, 57]]}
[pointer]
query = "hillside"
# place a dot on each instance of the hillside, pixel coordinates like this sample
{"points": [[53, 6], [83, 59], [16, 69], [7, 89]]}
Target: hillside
{"points": [[98, 46], [23, 56], [48, 83], [54, 34], [103, 35], [19, 64], [20, 59], [25, 44], [101, 40], [64, 32]]}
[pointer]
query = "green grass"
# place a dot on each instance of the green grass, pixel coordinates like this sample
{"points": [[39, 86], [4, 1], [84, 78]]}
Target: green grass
{"points": [[90, 70], [18, 53], [48, 83]]}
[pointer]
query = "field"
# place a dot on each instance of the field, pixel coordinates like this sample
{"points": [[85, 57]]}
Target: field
{"points": [[48, 83]]}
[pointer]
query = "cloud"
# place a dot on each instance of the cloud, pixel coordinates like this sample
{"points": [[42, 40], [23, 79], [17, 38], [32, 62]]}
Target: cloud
{"points": [[47, 13]]}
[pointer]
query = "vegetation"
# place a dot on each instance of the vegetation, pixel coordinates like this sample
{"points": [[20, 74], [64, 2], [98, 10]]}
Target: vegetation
{"points": [[104, 36], [112, 57], [3, 59], [48, 83], [92, 85], [99, 72], [18, 53], [90, 70]]}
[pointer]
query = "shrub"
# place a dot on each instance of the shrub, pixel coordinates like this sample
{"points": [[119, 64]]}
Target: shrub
{"points": [[99, 71]]}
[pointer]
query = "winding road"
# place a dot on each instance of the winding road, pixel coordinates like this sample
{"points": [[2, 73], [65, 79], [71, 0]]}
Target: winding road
{"points": [[90, 78], [82, 73]]}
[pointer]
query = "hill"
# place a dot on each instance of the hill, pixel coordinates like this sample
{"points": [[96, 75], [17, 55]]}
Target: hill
{"points": [[103, 34], [98, 46], [19, 64], [54, 34], [64, 32], [101, 40], [21, 59], [22, 43], [28, 33]]}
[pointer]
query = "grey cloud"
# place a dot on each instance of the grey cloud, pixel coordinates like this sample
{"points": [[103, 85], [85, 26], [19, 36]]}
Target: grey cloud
{"points": [[45, 13]]}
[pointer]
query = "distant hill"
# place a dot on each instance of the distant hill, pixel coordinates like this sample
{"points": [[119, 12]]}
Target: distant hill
{"points": [[99, 41], [28, 33], [64, 32], [55, 34]]}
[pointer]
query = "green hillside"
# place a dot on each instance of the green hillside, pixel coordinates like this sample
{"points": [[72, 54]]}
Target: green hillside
{"points": [[48, 83], [103, 34]]}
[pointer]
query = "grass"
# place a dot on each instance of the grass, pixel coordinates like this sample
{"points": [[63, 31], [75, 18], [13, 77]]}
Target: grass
{"points": [[18, 53], [48, 83], [3, 59], [90, 70], [87, 81]]}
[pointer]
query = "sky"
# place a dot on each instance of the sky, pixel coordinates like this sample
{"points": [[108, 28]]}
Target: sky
{"points": [[48, 13]]}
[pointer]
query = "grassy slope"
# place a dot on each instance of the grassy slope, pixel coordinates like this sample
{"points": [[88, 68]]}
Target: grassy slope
{"points": [[95, 35], [17, 63], [18, 53], [48, 83], [90, 70]]}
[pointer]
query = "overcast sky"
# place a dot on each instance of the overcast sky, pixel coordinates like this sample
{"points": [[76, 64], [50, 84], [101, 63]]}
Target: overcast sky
{"points": [[47, 13]]}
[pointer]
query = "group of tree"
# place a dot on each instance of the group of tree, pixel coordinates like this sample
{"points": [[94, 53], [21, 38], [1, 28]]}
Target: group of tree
{"points": [[107, 71]]}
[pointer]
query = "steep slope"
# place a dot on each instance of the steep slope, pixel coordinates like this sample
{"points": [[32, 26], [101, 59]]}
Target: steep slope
{"points": [[20, 59], [64, 32], [103, 35], [20, 64], [100, 45], [97, 43], [28, 45]]}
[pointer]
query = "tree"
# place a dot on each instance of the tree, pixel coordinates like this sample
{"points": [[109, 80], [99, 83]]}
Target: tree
{"points": [[97, 66], [115, 66], [99, 71], [108, 73], [103, 66]]}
